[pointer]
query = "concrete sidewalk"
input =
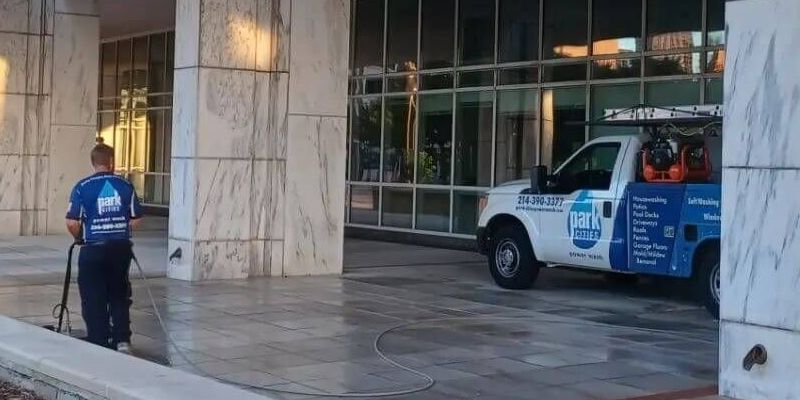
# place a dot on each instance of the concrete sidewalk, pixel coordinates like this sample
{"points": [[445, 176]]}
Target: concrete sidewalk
{"points": [[575, 336]]}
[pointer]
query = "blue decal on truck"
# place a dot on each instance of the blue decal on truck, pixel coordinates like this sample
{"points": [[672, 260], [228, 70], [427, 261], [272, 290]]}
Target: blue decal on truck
{"points": [[618, 250], [584, 223]]}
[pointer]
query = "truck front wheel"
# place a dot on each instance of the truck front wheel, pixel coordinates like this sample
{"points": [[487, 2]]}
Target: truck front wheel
{"points": [[511, 259], [707, 280]]}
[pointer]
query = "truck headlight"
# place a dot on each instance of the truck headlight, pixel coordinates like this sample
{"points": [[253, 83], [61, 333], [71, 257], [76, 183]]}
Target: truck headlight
{"points": [[482, 203]]}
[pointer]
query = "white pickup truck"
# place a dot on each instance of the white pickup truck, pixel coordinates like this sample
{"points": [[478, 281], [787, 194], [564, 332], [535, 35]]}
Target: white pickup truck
{"points": [[596, 211]]}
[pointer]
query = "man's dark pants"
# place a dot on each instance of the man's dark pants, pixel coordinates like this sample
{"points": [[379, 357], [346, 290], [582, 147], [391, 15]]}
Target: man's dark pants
{"points": [[106, 291]]}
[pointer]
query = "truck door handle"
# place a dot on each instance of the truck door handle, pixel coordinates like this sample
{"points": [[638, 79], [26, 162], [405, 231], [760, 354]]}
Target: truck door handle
{"points": [[606, 209]]}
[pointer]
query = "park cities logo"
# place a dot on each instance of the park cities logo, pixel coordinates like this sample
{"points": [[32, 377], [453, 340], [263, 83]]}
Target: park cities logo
{"points": [[109, 200], [584, 222]]}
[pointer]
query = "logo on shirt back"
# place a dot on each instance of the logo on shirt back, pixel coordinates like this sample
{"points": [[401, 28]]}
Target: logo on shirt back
{"points": [[109, 200]]}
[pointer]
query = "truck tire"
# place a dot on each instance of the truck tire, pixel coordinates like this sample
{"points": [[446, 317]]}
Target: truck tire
{"points": [[511, 259], [707, 280]]}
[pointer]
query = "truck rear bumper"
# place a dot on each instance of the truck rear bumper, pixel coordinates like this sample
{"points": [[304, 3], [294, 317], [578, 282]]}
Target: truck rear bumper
{"points": [[482, 239]]}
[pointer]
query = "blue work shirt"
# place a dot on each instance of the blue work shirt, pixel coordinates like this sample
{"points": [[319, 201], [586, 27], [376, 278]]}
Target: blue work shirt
{"points": [[105, 204]]}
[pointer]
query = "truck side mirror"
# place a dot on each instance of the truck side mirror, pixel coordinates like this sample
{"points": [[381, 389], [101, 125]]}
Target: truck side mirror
{"points": [[539, 179]]}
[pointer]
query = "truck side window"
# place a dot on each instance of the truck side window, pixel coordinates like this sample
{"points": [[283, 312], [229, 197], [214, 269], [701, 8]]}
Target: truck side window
{"points": [[591, 169]]}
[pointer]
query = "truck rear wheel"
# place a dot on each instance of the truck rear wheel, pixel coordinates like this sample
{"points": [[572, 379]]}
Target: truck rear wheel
{"points": [[707, 280], [511, 259]]}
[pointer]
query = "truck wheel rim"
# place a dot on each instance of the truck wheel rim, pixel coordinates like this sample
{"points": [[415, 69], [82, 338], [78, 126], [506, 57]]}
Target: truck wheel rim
{"points": [[507, 258], [714, 283]]}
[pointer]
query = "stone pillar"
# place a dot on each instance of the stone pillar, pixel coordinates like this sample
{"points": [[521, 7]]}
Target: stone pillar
{"points": [[761, 200], [48, 98], [258, 138]]}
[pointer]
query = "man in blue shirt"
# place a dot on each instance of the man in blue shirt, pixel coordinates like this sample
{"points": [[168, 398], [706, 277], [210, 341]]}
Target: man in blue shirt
{"points": [[103, 208]]}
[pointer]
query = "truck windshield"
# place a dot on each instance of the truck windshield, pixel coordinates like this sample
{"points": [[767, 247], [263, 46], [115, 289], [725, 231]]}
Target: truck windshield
{"points": [[591, 169]]}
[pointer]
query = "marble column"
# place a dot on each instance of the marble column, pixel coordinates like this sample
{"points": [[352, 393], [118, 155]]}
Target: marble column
{"points": [[258, 138], [48, 96], [761, 200]]}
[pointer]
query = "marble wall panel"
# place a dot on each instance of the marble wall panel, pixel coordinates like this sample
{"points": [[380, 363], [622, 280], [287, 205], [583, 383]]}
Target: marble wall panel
{"points": [[33, 222], [225, 113], [75, 69], [69, 162], [37, 16], [13, 57], [87, 7], [762, 86], [10, 223], [223, 209], [777, 379], [12, 123], [10, 182], [36, 135], [222, 259], [260, 258], [276, 254], [187, 35], [184, 112], [269, 183], [228, 31], [314, 195], [34, 182], [271, 102], [274, 20], [319, 63], [39, 64], [181, 268], [14, 16], [183, 198]]}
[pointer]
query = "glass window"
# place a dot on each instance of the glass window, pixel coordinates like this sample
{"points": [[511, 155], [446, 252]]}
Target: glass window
{"points": [[519, 30], [563, 72], [673, 64], [157, 66], [365, 142], [363, 85], [473, 146], [401, 35], [476, 78], [140, 65], [434, 138], [715, 22], [108, 70], [368, 37], [124, 60], [364, 205], [616, 26], [674, 24], [672, 93], [476, 32], [516, 134], [398, 144], [613, 96], [436, 81], [715, 61], [433, 210], [397, 203], [402, 83], [616, 68], [518, 76], [438, 29], [565, 28], [591, 169], [562, 109], [170, 63], [714, 91], [465, 212]]}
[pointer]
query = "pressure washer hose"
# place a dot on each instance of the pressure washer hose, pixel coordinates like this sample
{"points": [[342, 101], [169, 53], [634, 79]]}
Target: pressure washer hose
{"points": [[429, 381]]}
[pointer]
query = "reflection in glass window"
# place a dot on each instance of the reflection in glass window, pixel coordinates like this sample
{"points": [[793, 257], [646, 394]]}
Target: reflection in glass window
{"points": [[714, 91], [476, 32], [397, 205], [563, 72], [715, 61], [433, 210], [591, 169], [565, 28], [672, 93], [616, 68], [516, 134], [157, 66], [674, 24], [465, 212], [364, 205], [561, 109], [108, 70], [517, 76], [401, 35], [434, 138], [613, 96], [519, 30], [476, 78], [715, 22], [436, 81], [398, 143], [438, 24], [616, 26], [402, 83], [365, 142], [673, 64], [473, 146], [368, 37]]}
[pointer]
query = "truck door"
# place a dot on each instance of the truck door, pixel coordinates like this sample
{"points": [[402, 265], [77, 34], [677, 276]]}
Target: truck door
{"points": [[581, 233]]}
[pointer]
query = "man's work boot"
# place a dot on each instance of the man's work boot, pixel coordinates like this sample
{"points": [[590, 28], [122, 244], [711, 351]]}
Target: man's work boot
{"points": [[124, 348]]}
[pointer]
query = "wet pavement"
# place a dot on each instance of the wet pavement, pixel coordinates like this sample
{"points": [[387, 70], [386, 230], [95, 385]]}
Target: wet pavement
{"points": [[574, 336]]}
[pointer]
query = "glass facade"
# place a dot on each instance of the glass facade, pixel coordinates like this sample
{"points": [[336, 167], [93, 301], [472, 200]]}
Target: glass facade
{"points": [[452, 97], [135, 111]]}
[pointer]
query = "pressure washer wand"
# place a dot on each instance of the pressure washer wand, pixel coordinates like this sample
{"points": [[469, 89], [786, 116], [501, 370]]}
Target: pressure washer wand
{"points": [[65, 294]]}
